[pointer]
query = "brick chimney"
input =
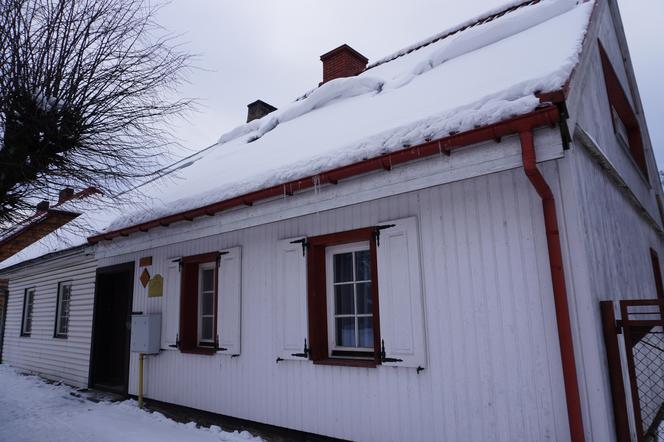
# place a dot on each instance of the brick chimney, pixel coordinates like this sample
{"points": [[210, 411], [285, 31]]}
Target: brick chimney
{"points": [[65, 195], [343, 61], [258, 109]]}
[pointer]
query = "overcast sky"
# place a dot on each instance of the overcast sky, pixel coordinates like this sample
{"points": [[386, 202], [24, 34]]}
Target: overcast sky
{"points": [[270, 49]]}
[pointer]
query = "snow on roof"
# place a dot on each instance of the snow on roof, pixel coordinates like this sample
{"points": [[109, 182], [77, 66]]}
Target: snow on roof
{"points": [[462, 78], [427, 93], [95, 214]]}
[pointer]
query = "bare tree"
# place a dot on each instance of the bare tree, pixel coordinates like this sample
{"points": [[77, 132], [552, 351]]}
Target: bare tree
{"points": [[85, 89]]}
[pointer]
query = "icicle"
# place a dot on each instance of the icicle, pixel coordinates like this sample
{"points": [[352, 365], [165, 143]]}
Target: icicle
{"points": [[316, 180]]}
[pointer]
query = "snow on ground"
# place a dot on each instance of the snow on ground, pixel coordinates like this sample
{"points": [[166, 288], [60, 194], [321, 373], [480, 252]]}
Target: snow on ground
{"points": [[32, 410]]}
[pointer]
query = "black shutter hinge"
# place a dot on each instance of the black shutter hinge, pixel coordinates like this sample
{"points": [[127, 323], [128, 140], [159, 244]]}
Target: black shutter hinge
{"points": [[382, 354], [305, 245], [177, 342], [279, 359], [179, 261], [377, 230], [216, 345], [619, 326], [219, 257], [305, 353]]}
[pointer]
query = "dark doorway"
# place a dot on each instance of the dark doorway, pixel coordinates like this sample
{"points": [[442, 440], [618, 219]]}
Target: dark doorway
{"points": [[109, 364], [3, 314]]}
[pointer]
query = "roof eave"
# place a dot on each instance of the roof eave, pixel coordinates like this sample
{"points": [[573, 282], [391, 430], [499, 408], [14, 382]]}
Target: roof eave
{"points": [[44, 225], [548, 115]]}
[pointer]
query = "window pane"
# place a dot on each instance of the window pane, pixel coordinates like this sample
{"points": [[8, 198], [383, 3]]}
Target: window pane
{"points": [[208, 280], [362, 266], [364, 298], [343, 267], [365, 330], [206, 329], [63, 326], [207, 303], [346, 332], [343, 299], [66, 292]]}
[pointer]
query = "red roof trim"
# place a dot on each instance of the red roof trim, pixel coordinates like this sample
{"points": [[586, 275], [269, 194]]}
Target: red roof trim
{"points": [[548, 115], [37, 229]]}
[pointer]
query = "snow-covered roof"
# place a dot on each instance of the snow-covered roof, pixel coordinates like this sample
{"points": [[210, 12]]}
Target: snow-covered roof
{"points": [[481, 72]]}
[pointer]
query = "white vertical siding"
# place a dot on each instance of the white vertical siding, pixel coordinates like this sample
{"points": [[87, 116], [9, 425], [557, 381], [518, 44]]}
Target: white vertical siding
{"points": [[606, 240], [493, 368], [590, 109], [65, 360], [609, 258]]}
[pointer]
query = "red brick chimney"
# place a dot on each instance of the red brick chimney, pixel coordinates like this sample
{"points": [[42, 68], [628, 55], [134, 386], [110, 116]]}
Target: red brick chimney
{"points": [[65, 195], [42, 207], [343, 61]]}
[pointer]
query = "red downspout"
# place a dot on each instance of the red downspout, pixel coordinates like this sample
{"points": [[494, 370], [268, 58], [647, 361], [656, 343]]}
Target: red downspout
{"points": [[558, 282]]}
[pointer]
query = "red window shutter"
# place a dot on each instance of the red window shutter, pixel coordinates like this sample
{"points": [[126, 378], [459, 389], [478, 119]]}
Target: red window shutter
{"points": [[189, 306]]}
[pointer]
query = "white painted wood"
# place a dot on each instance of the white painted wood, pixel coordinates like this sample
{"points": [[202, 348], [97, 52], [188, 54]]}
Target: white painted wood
{"points": [[66, 360], [589, 107], [229, 301], [291, 299], [170, 324], [607, 239], [400, 294], [492, 349]]}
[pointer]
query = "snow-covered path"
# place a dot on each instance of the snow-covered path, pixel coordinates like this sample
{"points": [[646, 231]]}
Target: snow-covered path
{"points": [[32, 410]]}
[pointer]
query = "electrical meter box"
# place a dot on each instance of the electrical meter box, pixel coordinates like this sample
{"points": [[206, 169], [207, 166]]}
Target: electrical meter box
{"points": [[146, 333]]}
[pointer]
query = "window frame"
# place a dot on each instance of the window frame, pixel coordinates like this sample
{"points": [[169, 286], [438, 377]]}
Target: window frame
{"points": [[210, 265], [621, 109], [58, 310], [317, 299], [335, 350], [189, 300], [657, 274], [24, 316]]}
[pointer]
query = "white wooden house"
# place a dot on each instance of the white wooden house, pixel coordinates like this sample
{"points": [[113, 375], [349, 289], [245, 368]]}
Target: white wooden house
{"points": [[414, 250]]}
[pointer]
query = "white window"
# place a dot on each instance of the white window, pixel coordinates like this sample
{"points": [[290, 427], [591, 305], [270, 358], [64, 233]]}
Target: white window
{"points": [[621, 130], [28, 300], [349, 299], [62, 310], [206, 308]]}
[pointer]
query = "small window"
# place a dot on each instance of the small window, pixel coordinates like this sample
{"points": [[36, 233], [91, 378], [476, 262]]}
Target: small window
{"points": [[343, 298], [625, 123], [350, 300], [62, 310], [28, 301], [620, 130], [206, 304]]}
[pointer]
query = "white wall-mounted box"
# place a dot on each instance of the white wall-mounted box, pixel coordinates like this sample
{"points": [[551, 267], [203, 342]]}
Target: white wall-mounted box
{"points": [[146, 333]]}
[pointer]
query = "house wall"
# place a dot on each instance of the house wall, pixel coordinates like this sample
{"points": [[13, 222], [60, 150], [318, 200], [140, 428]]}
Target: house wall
{"points": [[65, 360], [589, 107], [610, 212], [493, 372]]}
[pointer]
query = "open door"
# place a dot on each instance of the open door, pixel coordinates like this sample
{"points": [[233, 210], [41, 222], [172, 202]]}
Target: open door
{"points": [[109, 360]]}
